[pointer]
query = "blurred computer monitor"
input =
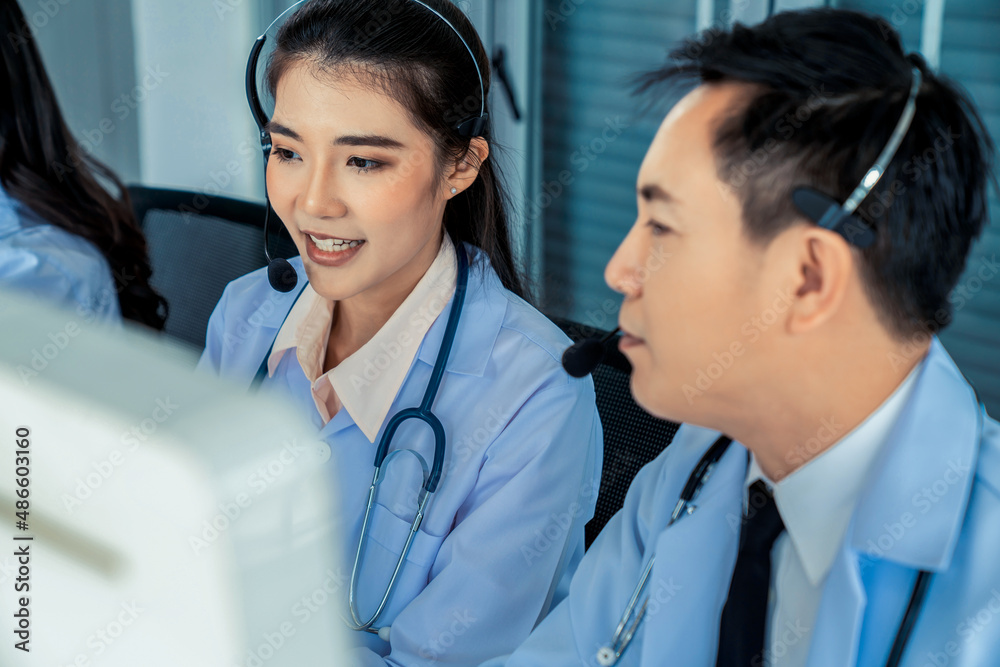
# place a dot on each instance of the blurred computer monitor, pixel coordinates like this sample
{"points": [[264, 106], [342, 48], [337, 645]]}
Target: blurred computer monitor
{"points": [[167, 518]]}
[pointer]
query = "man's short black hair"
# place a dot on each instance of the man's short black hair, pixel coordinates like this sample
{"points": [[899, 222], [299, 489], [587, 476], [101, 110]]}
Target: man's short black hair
{"points": [[829, 88]]}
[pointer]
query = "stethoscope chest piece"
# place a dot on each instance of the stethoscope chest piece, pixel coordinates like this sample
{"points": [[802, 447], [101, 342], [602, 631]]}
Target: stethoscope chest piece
{"points": [[606, 656]]}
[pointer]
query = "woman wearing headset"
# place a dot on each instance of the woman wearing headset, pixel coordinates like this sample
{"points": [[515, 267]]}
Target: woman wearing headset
{"points": [[62, 235], [379, 167]]}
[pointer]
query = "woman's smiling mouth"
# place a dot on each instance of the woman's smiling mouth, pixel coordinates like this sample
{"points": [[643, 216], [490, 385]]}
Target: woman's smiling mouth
{"points": [[331, 251], [334, 244]]}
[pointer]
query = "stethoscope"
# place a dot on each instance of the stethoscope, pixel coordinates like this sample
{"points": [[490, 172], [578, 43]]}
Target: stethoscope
{"points": [[611, 653], [283, 278], [431, 476]]}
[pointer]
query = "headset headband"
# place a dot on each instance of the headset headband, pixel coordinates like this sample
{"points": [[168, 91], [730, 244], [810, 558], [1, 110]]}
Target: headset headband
{"points": [[828, 213], [474, 126]]}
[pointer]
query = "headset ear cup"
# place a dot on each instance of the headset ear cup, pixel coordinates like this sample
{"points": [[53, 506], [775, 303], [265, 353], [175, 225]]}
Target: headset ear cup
{"points": [[473, 127], [265, 145], [856, 232], [826, 212], [814, 204]]}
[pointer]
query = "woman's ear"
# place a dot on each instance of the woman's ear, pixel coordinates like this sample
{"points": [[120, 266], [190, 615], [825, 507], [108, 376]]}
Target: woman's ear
{"points": [[467, 169]]}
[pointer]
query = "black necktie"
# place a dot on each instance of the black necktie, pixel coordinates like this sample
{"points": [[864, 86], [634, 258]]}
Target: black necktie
{"points": [[741, 632]]}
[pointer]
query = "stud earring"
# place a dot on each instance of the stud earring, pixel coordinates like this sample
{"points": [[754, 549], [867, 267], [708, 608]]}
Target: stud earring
{"points": [[454, 191]]}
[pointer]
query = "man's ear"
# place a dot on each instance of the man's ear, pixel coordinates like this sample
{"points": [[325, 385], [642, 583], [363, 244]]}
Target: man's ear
{"points": [[824, 266], [467, 169]]}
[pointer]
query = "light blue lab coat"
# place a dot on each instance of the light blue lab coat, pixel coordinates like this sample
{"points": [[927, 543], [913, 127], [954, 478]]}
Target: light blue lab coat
{"points": [[520, 478], [43, 260], [931, 501]]}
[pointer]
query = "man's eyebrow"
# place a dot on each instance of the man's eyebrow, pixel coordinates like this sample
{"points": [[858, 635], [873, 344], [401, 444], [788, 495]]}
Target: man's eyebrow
{"points": [[372, 140], [654, 192]]}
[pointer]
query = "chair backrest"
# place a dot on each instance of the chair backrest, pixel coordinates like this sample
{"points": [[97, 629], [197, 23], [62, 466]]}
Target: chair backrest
{"points": [[632, 437], [197, 245]]}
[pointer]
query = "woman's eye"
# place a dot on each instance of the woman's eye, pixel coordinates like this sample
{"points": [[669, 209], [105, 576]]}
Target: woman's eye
{"points": [[363, 165], [658, 228], [284, 155]]}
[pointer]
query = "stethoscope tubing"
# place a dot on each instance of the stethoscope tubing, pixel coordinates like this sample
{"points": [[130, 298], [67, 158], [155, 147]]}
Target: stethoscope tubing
{"points": [[423, 413], [611, 653]]}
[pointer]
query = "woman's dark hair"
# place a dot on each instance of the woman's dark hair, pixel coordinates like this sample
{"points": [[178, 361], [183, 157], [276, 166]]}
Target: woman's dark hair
{"points": [[413, 56], [829, 87], [43, 167]]}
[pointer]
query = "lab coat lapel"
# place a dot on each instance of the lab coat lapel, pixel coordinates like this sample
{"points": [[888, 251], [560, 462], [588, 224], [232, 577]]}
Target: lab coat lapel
{"points": [[897, 528], [924, 473], [479, 325], [694, 563], [838, 621], [248, 340]]}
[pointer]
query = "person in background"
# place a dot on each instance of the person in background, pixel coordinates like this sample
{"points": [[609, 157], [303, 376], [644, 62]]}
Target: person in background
{"points": [[63, 236]]}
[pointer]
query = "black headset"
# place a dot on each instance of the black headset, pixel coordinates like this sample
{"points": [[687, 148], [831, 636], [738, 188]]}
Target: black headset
{"points": [[280, 273], [827, 212]]}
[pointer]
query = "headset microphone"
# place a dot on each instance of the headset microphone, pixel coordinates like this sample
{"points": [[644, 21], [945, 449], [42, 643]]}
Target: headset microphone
{"points": [[280, 273], [583, 356]]}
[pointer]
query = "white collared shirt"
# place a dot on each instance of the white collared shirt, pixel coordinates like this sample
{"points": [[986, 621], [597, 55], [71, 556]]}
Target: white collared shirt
{"points": [[816, 503], [366, 383]]}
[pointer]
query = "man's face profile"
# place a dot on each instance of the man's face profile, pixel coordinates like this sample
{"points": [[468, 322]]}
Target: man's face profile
{"points": [[695, 287]]}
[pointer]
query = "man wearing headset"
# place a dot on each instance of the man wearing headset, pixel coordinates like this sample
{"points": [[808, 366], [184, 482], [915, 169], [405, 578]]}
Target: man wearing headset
{"points": [[853, 521]]}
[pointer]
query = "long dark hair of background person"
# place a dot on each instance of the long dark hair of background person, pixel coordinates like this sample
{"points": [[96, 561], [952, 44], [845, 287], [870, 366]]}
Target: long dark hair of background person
{"points": [[43, 167]]}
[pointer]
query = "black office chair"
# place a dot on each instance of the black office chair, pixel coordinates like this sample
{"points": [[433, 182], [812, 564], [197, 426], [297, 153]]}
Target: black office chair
{"points": [[632, 437], [197, 244]]}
